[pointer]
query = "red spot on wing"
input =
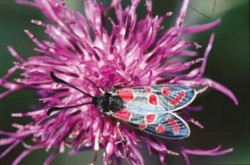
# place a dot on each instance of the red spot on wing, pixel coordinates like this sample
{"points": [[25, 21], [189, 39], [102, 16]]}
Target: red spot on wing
{"points": [[150, 118], [153, 99], [160, 129], [174, 125], [178, 99], [148, 89], [165, 91], [123, 115], [142, 125], [126, 94]]}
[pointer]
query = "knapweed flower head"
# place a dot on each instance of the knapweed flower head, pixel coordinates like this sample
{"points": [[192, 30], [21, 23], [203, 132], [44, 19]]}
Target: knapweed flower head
{"points": [[82, 49]]}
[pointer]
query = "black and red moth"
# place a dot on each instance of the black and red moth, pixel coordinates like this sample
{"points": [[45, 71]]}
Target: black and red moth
{"points": [[148, 108]]}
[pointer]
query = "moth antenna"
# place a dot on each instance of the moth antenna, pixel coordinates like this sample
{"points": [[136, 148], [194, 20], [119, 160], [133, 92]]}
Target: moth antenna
{"points": [[58, 80], [52, 109]]}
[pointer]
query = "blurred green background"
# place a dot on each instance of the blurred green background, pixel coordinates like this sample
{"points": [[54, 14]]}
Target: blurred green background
{"points": [[228, 64]]}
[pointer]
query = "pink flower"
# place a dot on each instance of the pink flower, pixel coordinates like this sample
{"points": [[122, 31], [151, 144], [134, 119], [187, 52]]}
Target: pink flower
{"points": [[82, 47]]}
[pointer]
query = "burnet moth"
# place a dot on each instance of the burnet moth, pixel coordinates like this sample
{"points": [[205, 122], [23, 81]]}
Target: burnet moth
{"points": [[148, 108]]}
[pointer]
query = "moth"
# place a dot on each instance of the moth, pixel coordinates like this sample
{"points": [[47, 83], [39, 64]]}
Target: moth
{"points": [[151, 109]]}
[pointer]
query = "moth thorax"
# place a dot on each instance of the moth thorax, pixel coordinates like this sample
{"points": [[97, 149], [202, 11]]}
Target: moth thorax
{"points": [[102, 102], [107, 102]]}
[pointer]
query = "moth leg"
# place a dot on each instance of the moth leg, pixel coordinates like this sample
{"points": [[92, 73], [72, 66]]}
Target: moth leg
{"points": [[119, 131], [202, 89]]}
